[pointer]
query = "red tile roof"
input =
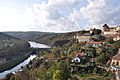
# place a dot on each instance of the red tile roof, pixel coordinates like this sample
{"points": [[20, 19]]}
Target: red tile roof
{"points": [[81, 54]]}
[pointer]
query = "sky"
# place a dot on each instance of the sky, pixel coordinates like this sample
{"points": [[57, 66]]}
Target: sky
{"points": [[57, 15]]}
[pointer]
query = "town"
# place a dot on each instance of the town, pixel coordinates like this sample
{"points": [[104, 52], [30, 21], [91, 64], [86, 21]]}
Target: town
{"points": [[88, 55]]}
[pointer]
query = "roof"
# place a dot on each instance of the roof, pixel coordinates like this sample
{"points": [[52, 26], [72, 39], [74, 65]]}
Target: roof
{"points": [[112, 27], [92, 42], [80, 54], [116, 36], [105, 25], [117, 57], [111, 35]]}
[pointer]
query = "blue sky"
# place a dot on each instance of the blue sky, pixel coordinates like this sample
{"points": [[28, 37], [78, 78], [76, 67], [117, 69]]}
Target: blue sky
{"points": [[57, 15]]}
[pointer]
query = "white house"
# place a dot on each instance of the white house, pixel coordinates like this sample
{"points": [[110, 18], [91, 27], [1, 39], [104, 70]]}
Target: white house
{"points": [[76, 60]]}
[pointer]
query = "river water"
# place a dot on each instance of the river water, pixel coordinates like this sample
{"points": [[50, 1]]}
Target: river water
{"points": [[25, 62]]}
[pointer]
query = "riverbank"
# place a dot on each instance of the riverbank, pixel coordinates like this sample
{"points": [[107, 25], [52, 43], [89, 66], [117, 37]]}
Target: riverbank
{"points": [[18, 67], [14, 62]]}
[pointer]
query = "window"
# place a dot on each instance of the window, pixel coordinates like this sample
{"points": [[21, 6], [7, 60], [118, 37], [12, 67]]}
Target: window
{"points": [[76, 61], [113, 63], [117, 64]]}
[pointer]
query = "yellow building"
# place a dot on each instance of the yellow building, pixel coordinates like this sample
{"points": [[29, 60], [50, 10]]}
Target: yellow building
{"points": [[116, 60]]}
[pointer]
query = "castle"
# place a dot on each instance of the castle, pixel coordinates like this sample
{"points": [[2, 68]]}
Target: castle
{"points": [[110, 30]]}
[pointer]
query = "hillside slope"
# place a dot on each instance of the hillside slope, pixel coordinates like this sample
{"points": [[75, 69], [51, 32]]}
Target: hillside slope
{"points": [[43, 37], [28, 35], [11, 47]]}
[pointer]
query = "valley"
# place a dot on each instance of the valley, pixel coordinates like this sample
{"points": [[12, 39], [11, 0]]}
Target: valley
{"points": [[12, 51]]}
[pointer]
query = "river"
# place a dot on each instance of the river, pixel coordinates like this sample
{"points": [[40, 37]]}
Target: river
{"points": [[25, 62]]}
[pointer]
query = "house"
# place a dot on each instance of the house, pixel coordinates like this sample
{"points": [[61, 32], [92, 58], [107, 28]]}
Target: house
{"points": [[110, 30], [94, 44], [83, 38], [115, 61], [78, 57]]}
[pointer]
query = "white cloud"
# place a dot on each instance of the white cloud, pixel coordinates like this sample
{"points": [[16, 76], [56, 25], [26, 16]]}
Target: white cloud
{"points": [[66, 15], [98, 12], [52, 16]]}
